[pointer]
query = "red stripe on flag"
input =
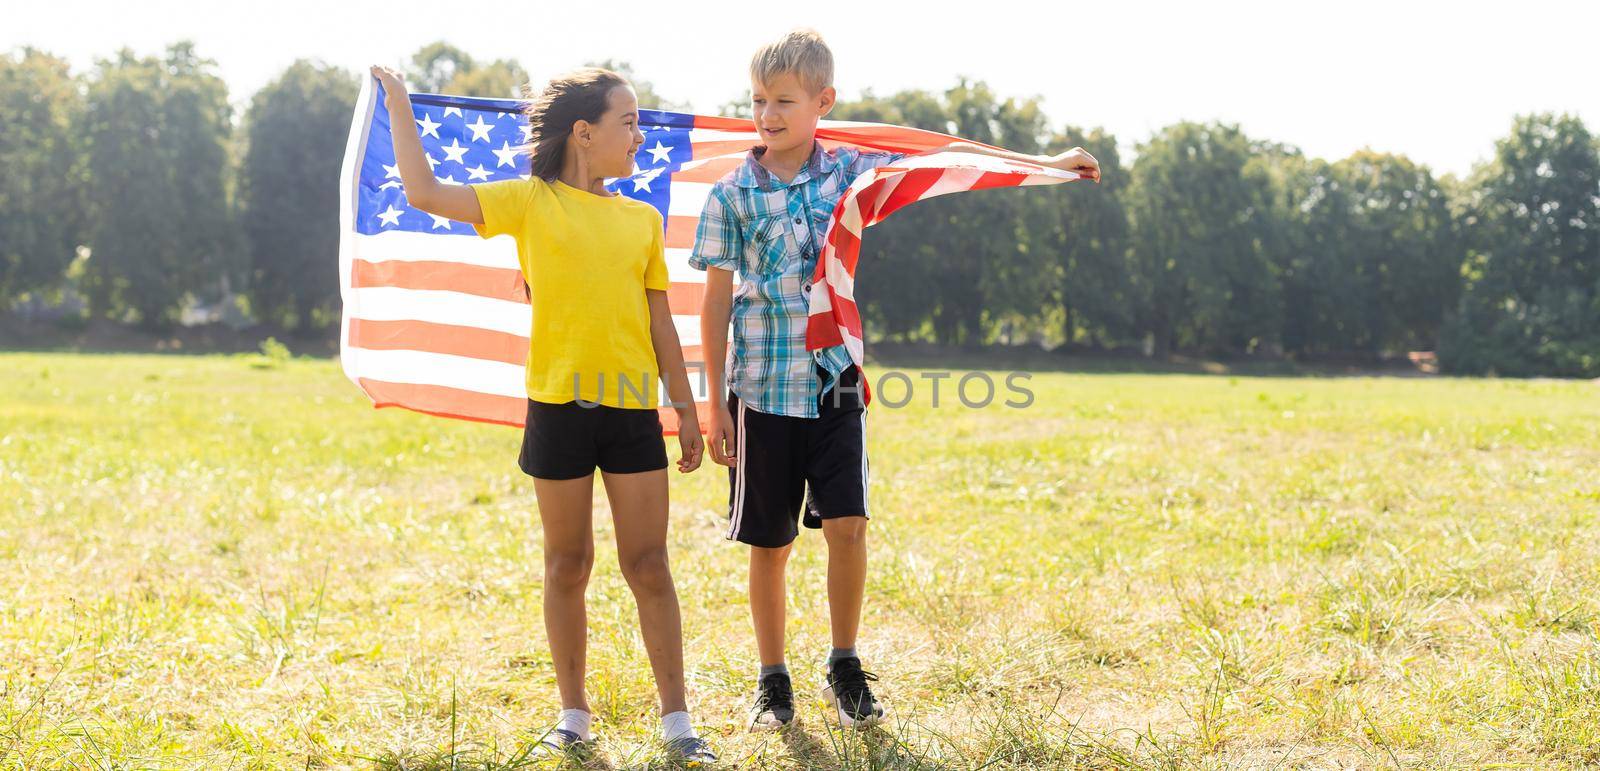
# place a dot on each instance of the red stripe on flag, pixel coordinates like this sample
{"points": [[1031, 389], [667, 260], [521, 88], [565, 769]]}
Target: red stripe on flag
{"points": [[447, 402], [721, 123], [485, 408], [909, 190], [680, 231], [994, 179], [496, 283], [670, 425], [900, 139], [451, 340], [683, 297], [411, 335]]}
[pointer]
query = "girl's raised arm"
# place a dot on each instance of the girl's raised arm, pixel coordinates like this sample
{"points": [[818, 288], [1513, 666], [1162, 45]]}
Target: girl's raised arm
{"points": [[457, 202]]}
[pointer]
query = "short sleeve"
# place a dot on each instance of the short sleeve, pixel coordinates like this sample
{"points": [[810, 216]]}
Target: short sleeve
{"points": [[867, 161], [718, 242], [504, 205], [655, 269]]}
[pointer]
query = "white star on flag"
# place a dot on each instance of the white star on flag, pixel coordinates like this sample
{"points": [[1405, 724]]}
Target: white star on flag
{"points": [[391, 172], [480, 130], [454, 151], [389, 184], [505, 156], [440, 222], [660, 153], [450, 180], [527, 132], [390, 216], [432, 164], [456, 110], [429, 128], [642, 182], [478, 173]]}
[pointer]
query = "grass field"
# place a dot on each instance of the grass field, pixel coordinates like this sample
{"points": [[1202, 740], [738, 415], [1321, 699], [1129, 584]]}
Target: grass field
{"points": [[212, 565]]}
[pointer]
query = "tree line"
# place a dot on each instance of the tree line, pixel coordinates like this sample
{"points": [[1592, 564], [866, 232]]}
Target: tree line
{"points": [[135, 188]]}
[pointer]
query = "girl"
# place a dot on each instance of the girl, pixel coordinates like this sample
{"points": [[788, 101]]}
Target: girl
{"points": [[597, 278]]}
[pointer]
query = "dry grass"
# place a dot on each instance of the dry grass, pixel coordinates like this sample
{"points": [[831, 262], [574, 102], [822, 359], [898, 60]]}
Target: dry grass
{"points": [[213, 565]]}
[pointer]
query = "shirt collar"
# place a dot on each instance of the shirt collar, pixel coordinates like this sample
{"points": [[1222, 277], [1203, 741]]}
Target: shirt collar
{"points": [[753, 175]]}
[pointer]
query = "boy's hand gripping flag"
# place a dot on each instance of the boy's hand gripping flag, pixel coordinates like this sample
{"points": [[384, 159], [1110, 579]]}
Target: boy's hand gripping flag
{"points": [[435, 318]]}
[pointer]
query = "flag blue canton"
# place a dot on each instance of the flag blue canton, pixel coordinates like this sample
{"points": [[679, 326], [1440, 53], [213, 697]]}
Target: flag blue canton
{"points": [[470, 140]]}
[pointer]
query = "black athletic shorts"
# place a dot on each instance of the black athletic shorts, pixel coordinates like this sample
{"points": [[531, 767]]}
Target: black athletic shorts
{"points": [[781, 456], [567, 441]]}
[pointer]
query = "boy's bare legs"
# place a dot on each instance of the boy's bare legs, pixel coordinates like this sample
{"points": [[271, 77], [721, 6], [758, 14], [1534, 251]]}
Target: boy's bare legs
{"points": [[639, 508], [768, 600], [846, 684], [847, 576]]}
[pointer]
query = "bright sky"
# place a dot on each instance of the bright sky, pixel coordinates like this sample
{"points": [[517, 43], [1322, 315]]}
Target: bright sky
{"points": [[1437, 81]]}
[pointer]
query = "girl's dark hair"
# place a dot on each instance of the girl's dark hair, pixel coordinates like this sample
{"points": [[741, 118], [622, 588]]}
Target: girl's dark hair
{"points": [[578, 95]]}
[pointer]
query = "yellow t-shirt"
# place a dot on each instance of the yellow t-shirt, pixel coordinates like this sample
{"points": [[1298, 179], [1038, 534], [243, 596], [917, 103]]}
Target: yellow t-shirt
{"points": [[588, 260]]}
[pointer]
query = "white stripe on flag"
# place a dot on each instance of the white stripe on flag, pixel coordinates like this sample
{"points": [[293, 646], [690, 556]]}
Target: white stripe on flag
{"points": [[440, 369], [499, 252], [396, 304], [688, 199]]}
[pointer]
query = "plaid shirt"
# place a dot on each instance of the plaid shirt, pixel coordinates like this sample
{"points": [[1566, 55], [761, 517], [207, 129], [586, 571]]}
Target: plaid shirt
{"points": [[771, 233]]}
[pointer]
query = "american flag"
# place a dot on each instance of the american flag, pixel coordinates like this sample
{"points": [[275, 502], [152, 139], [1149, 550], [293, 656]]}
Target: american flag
{"points": [[435, 319]]}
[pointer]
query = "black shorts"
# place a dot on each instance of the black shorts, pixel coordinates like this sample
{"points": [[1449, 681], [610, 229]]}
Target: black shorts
{"points": [[781, 456], [567, 441]]}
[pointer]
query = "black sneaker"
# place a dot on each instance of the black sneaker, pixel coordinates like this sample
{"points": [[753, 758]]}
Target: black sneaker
{"points": [[774, 707], [693, 751], [846, 690]]}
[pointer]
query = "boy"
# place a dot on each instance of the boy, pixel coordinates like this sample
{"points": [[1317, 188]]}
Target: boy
{"points": [[793, 419]]}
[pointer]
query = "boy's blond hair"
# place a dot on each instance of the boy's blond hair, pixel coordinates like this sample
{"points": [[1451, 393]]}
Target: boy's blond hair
{"points": [[801, 52]]}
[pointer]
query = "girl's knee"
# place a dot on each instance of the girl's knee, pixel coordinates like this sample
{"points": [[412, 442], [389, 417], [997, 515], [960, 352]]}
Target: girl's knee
{"points": [[568, 570], [649, 571]]}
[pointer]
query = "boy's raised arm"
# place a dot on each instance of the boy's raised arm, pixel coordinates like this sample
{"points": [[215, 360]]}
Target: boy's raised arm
{"points": [[457, 202], [1075, 160]]}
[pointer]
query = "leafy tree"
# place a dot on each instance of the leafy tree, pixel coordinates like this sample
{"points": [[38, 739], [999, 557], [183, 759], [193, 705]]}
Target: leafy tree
{"points": [[42, 217], [1085, 229], [1203, 280], [1531, 304], [158, 131], [445, 69], [1403, 250], [289, 192]]}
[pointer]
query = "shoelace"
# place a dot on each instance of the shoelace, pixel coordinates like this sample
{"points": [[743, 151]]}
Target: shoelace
{"points": [[851, 681], [778, 692]]}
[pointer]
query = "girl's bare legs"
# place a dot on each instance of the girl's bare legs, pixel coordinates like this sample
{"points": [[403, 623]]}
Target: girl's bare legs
{"points": [[639, 508], [566, 510]]}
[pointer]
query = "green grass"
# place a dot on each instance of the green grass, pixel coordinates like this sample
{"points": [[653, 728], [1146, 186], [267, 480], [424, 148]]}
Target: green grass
{"points": [[220, 562]]}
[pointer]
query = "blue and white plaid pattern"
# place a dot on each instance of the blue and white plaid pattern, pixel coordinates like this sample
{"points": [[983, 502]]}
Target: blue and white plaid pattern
{"points": [[771, 233]]}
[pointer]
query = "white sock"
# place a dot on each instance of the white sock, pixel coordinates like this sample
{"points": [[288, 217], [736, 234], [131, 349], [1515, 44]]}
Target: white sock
{"points": [[676, 725], [576, 721]]}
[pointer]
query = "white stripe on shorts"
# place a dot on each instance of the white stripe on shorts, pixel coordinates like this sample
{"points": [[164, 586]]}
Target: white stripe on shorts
{"points": [[864, 462], [736, 516]]}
